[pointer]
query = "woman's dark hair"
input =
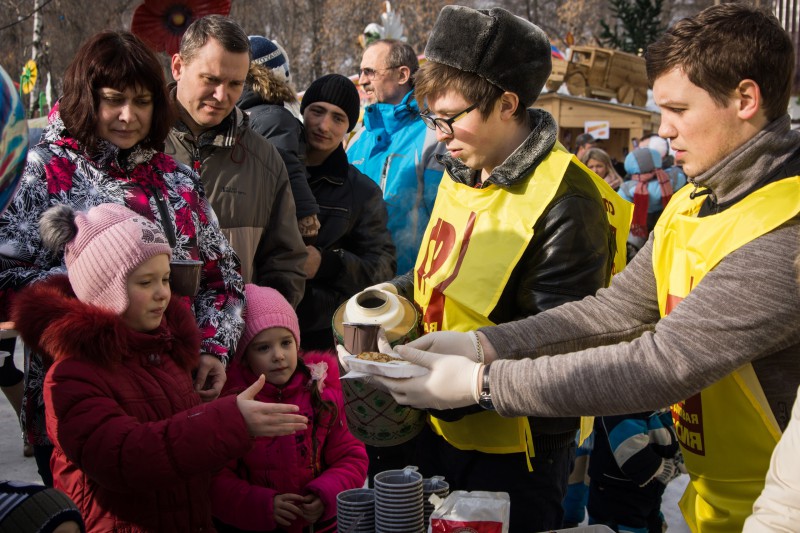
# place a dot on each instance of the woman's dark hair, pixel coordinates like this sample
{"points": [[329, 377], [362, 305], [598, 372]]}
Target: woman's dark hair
{"points": [[119, 60]]}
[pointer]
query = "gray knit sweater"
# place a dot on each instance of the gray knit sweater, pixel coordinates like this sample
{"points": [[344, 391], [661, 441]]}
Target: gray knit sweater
{"points": [[618, 356]]}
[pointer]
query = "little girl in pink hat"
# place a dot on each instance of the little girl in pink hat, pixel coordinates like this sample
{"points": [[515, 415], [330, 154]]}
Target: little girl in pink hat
{"points": [[287, 483], [134, 447]]}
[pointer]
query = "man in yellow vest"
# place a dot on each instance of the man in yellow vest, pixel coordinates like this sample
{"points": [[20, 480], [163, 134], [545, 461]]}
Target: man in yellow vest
{"points": [[519, 226], [705, 317]]}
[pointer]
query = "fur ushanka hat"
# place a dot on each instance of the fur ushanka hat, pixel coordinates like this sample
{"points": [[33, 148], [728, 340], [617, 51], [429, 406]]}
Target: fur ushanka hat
{"points": [[504, 49]]}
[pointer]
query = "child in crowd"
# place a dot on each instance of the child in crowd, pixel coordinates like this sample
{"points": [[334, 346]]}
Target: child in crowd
{"points": [[287, 483], [29, 508], [134, 447], [633, 458]]}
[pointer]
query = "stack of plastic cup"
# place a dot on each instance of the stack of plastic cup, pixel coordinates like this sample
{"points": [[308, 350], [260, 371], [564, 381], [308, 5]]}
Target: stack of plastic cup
{"points": [[355, 511], [398, 501], [435, 485]]}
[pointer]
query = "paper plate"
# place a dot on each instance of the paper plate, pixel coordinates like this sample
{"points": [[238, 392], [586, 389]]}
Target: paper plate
{"points": [[390, 370]]}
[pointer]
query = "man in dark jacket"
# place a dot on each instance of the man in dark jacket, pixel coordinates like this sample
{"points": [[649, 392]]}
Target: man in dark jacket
{"points": [[243, 175], [354, 248], [519, 227], [270, 101]]}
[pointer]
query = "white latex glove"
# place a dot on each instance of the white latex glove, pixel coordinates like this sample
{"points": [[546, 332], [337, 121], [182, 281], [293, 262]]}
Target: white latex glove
{"points": [[388, 287], [452, 381], [448, 342]]}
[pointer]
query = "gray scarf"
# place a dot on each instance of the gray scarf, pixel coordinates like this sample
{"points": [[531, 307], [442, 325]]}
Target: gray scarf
{"points": [[758, 158]]}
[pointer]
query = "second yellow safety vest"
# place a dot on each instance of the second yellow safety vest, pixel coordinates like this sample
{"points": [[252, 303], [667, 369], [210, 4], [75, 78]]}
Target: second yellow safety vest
{"points": [[727, 431]]}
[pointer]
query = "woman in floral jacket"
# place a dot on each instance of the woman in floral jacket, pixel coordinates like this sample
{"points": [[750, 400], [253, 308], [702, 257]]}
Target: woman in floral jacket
{"points": [[103, 145]]}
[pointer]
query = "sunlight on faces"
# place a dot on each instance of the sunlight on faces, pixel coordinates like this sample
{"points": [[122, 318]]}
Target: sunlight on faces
{"points": [[273, 352], [700, 131], [326, 125], [148, 294], [210, 84], [124, 117], [598, 167], [384, 85], [474, 140]]}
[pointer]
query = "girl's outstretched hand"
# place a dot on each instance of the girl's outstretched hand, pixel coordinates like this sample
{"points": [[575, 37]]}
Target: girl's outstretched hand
{"points": [[268, 419]]}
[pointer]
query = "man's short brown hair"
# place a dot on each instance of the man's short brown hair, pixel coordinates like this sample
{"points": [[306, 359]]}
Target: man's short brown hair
{"points": [[224, 30], [119, 60], [435, 79], [725, 44]]}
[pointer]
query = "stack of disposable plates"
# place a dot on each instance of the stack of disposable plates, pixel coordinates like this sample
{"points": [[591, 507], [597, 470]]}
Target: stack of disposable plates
{"points": [[355, 511], [398, 501]]}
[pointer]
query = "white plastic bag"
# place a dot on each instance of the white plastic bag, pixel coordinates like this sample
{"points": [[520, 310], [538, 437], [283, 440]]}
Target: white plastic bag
{"points": [[476, 511]]}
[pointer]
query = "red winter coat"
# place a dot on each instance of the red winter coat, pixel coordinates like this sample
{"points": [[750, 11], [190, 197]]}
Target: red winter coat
{"points": [[134, 448], [243, 493]]}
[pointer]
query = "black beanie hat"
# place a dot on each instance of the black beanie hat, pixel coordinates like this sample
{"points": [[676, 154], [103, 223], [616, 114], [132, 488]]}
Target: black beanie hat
{"points": [[337, 90], [35, 508], [500, 47]]}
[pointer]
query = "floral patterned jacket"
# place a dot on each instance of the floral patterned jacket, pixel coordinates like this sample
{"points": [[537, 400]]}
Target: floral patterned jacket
{"points": [[60, 171]]}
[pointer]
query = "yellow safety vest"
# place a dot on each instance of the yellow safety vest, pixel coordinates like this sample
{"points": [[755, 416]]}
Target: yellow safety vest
{"points": [[727, 431], [474, 239]]}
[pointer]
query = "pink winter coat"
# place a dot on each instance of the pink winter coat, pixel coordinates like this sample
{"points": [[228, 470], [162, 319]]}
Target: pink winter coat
{"points": [[242, 494], [134, 448]]}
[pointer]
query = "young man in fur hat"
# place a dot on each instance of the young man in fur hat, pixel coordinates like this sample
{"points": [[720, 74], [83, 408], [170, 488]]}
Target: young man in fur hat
{"points": [[519, 226], [705, 317]]}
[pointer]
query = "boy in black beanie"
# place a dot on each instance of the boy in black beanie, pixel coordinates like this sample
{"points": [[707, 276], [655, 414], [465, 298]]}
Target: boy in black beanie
{"points": [[354, 248], [29, 508]]}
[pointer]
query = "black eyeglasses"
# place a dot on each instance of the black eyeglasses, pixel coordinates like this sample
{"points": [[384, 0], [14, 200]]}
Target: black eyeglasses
{"points": [[371, 72], [445, 125]]}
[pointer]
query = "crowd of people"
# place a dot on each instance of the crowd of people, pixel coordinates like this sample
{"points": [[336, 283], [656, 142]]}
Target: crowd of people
{"points": [[567, 301]]}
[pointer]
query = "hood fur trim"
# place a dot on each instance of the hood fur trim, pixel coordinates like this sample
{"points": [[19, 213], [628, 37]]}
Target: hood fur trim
{"points": [[54, 323]]}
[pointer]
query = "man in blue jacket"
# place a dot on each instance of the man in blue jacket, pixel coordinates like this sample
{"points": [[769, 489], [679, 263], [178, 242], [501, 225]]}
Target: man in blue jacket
{"points": [[394, 148]]}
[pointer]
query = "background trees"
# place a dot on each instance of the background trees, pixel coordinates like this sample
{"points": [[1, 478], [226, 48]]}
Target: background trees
{"points": [[320, 36]]}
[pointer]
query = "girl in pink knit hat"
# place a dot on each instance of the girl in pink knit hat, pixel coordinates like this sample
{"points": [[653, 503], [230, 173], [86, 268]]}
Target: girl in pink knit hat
{"points": [[287, 483], [135, 448]]}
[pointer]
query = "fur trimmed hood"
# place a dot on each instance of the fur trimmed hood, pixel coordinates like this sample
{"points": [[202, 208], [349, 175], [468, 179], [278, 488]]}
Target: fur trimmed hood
{"points": [[264, 87], [53, 322]]}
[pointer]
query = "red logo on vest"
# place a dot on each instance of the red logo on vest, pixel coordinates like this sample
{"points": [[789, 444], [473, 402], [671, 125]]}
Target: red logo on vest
{"points": [[688, 414], [439, 247]]}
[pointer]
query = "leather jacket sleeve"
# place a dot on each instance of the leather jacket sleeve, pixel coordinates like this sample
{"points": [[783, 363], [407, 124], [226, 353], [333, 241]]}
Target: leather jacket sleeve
{"points": [[569, 257], [366, 255]]}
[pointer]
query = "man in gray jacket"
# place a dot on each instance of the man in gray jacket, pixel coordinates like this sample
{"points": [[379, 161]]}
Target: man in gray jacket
{"points": [[705, 318], [243, 175]]}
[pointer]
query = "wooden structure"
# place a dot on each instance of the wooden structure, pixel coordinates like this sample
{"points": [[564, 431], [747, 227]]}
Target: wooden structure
{"points": [[627, 122], [601, 73]]}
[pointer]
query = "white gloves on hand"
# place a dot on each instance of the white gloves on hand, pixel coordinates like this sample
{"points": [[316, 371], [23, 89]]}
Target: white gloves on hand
{"points": [[452, 381], [450, 342]]}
